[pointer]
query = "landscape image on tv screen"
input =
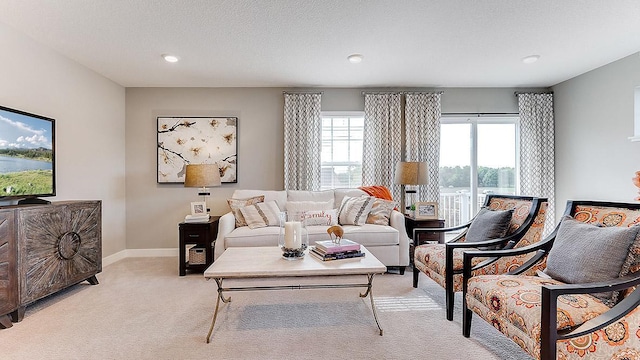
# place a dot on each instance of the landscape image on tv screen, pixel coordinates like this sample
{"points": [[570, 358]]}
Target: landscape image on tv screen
{"points": [[26, 154]]}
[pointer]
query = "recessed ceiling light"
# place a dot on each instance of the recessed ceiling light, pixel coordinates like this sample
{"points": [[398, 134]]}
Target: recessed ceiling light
{"points": [[355, 58], [530, 59], [170, 58]]}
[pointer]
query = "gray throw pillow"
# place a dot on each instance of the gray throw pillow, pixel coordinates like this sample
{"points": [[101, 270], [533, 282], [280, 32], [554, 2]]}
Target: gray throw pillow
{"points": [[489, 225], [584, 253]]}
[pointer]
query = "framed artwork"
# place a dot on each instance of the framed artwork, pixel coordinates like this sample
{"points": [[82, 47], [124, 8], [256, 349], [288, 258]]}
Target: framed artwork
{"points": [[197, 140], [426, 210], [198, 208]]}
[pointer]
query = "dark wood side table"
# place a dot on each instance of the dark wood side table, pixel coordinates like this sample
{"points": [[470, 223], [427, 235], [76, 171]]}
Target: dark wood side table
{"points": [[411, 223], [202, 235]]}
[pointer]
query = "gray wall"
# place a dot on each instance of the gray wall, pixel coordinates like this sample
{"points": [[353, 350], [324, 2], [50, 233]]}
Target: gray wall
{"points": [[89, 114], [594, 118], [154, 210]]}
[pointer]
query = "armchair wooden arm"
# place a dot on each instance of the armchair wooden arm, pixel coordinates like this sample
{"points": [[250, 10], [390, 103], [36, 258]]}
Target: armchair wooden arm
{"points": [[550, 293]]}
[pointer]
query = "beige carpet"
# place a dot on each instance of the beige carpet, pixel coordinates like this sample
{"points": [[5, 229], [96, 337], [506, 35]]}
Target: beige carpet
{"points": [[142, 309]]}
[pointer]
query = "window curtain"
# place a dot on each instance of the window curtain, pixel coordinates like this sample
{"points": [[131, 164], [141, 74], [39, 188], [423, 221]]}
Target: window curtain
{"points": [[422, 139], [302, 141], [382, 147], [537, 165]]}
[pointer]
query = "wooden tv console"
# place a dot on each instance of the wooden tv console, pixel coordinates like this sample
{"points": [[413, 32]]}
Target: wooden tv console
{"points": [[44, 249]]}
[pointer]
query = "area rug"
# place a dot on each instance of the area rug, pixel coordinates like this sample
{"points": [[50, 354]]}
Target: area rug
{"points": [[142, 309]]}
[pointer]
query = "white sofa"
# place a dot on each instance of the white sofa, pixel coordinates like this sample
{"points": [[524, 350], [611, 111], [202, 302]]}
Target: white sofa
{"points": [[389, 243]]}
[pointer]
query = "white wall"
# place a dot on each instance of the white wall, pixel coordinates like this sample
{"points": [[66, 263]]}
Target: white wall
{"points": [[594, 118], [154, 210], [89, 114]]}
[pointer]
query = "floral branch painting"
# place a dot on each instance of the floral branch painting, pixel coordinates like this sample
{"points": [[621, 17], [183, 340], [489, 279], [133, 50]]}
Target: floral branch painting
{"points": [[196, 140]]}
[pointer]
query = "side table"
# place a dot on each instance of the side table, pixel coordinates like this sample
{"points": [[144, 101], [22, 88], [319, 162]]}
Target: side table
{"points": [[411, 223], [202, 235]]}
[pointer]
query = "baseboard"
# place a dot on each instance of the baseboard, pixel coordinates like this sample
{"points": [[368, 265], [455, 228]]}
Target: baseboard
{"points": [[127, 253]]}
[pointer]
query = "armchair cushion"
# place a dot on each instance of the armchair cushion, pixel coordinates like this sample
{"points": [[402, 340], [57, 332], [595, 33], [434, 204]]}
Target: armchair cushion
{"points": [[575, 258], [488, 225]]}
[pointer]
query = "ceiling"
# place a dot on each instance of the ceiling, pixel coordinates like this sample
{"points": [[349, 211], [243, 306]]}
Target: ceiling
{"points": [[293, 43]]}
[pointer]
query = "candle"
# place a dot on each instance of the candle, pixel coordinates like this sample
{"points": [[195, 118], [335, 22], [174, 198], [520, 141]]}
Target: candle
{"points": [[292, 235]]}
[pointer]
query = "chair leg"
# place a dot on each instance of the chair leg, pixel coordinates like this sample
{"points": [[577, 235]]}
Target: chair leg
{"points": [[450, 297], [416, 272], [466, 319]]}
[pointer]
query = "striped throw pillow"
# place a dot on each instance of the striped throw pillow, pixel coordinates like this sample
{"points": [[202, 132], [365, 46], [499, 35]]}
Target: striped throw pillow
{"points": [[261, 214], [237, 204], [354, 210]]}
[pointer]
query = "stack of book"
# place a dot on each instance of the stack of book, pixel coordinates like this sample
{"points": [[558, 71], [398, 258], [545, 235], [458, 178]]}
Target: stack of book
{"points": [[328, 250]]}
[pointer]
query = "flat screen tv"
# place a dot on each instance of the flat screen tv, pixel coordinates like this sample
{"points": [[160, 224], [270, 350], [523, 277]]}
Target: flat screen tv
{"points": [[27, 156]]}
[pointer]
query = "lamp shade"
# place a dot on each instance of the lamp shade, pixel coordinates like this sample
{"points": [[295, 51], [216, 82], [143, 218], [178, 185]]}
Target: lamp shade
{"points": [[411, 173], [202, 175]]}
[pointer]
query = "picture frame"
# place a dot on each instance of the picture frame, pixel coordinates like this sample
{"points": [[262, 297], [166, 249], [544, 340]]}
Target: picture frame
{"points": [[426, 210], [196, 140], [198, 208]]}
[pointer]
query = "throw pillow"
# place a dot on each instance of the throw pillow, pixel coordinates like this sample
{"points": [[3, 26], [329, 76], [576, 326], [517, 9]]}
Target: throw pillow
{"points": [[489, 225], [320, 217], [237, 204], [261, 214], [354, 210], [584, 253], [299, 207], [380, 212]]}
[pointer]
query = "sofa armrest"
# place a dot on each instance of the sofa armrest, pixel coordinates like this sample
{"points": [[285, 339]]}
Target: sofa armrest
{"points": [[226, 224], [396, 221]]}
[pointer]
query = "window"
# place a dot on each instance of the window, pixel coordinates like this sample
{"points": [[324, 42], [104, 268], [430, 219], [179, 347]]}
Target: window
{"points": [[478, 156], [341, 156]]}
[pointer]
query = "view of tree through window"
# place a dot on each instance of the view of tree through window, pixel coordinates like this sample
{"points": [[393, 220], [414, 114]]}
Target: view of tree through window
{"points": [[341, 156]]}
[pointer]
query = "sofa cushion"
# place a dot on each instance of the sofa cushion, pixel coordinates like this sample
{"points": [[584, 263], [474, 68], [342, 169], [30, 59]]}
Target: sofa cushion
{"points": [[354, 210], [584, 253], [236, 204], [488, 225], [318, 196], [380, 212], [339, 194], [244, 236], [261, 214], [279, 196]]}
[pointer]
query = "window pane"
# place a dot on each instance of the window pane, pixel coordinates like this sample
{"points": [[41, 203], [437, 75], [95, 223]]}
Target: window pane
{"points": [[341, 155], [496, 159], [455, 173]]}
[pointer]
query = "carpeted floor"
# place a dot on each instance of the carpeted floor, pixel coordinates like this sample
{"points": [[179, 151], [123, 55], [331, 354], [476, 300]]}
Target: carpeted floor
{"points": [[142, 309]]}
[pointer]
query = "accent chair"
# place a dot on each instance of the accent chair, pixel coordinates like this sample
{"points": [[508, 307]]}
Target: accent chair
{"points": [[506, 221], [584, 305]]}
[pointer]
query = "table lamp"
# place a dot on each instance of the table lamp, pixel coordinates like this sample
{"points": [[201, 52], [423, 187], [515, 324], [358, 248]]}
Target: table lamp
{"points": [[410, 173], [202, 176]]}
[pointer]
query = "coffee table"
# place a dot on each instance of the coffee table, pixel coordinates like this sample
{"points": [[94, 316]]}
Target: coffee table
{"points": [[267, 262]]}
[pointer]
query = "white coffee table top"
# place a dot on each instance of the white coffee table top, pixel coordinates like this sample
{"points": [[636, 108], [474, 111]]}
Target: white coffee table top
{"points": [[251, 262]]}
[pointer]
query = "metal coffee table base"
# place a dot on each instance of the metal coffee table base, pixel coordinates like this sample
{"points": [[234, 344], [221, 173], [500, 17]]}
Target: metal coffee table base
{"points": [[221, 289]]}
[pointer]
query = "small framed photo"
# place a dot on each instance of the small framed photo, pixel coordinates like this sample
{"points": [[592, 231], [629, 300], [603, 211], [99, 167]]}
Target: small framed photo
{"points": [[426, 210], [198, 208]]}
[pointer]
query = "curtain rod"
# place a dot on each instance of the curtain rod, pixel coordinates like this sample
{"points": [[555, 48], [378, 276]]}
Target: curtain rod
{"points": [[303, 92], [477, 114], [401, 92], [531, 92]]}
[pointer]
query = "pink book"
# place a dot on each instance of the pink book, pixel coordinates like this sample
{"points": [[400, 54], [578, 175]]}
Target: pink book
{"points": [[329, 247]]}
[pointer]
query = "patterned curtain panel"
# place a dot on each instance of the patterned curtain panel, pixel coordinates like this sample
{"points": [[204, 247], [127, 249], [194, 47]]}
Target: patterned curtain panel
{"points": [[302, 142], [422, 139], [382, 147], [537, 165]]}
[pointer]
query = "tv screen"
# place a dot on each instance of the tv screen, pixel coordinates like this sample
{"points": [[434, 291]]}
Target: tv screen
{"points": [[27, 155]]}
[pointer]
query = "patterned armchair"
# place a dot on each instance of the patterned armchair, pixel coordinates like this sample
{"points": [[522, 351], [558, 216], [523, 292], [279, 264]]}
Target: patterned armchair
{"points": [[443, 262], [553, 319]]}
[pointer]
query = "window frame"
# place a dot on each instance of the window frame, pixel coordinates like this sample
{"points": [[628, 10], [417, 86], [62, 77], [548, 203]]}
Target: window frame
{"points": [[336, 114]]}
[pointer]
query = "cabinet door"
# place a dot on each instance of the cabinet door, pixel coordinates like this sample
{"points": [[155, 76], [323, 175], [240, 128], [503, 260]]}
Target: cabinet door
{"points": [[8, 263], [60, 245]]}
